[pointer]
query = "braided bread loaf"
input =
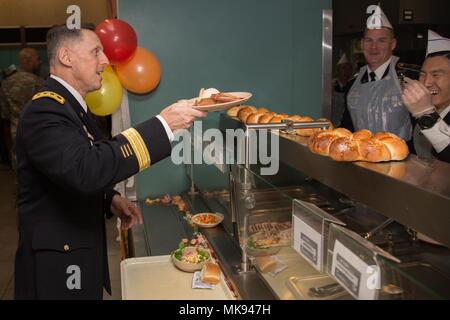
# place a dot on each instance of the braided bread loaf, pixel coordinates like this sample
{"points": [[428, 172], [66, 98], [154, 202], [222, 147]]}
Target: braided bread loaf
{"points": [[253, 115], [341, 145]]}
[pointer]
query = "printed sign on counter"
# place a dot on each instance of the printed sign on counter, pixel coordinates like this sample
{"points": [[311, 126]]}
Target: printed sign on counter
{"points": [[308, 242], [352, 272]]}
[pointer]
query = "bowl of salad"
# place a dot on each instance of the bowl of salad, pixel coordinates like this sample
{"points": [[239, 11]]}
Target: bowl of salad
{"points": [[263, 244], [190, 259]]}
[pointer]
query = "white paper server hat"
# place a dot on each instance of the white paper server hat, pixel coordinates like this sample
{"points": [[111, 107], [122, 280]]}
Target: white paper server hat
{"points": [[437, 43], [378, 20], [343, 59]]}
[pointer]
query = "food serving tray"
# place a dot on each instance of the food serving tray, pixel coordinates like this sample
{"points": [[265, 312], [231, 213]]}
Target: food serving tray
{"points": [[156, 278]]}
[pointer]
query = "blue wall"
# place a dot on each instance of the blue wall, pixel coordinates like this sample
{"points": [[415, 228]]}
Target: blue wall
{"points": [[271, 48]]}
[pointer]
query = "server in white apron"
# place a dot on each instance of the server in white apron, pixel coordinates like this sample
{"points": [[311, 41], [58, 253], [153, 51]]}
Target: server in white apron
{"points": [[375, 99], [428, 100]]}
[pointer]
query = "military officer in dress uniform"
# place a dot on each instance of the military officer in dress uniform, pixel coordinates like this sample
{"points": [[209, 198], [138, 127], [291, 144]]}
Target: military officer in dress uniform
{"points": [[428, 100], [374, 100], [67, 171]]}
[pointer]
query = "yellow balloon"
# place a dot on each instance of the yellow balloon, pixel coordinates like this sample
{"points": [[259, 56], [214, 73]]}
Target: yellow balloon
{"points": [[106, 100]]}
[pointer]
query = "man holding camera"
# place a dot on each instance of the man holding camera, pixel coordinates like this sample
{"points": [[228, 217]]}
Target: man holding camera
{"points": [[428, 100]]}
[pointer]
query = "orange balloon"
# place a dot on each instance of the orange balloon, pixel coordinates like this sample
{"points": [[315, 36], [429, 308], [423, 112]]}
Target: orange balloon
{"points": [[140, 74]]}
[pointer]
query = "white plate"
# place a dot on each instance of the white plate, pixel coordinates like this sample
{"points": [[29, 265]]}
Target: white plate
{"points": [[219, 219], [258, 252], [245, 96]]}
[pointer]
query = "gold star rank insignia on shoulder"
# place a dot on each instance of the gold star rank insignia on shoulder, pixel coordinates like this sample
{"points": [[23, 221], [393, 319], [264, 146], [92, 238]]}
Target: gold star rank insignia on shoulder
{"points": [[49, 94]]}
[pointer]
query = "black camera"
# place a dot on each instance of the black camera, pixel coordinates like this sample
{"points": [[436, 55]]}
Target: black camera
{"points": [[411, 71]]}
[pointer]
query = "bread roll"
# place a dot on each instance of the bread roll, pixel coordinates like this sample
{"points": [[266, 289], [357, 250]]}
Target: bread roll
{"points": [[295, 118], [344, 149], [265, 263], [320, 141], [373, 150], [210, 273], [384, 134], [341, 132], [245, 112], [233, 112], [397, 147], [262, 110], [362, 134], [266, 117], [283, 115], [254, 118], [276, 119]]}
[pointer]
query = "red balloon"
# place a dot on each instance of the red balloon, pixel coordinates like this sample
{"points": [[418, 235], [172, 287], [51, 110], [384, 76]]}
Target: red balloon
{"points": [[118, 38]]}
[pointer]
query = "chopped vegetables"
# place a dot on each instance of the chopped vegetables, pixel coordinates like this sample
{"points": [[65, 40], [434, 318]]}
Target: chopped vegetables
{"points": [[206, 218], [191, 256]]}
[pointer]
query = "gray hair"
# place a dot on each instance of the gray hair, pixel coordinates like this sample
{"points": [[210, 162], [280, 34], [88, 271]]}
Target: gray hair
{"points": [[59, 35]]}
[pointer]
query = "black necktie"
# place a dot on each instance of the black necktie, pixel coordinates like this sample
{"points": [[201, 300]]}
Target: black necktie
{"points": [[372, 76]]}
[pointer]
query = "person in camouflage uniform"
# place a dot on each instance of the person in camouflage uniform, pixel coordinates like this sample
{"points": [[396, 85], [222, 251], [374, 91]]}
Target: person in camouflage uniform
{"points": [[4, 124], [19, 88]]}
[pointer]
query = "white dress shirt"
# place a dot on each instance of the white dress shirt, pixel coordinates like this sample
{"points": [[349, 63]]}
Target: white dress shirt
{"points": [[439, 134], [81, 101], [380, 70], [72, 90]]}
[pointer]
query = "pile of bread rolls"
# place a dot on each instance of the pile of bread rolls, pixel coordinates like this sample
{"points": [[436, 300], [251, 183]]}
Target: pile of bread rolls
{"points": [[254, 115], [342, 145]]}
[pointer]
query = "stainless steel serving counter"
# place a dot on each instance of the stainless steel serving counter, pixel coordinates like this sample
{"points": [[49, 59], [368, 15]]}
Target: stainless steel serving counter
{"points": [[414, 192], [152, 238]]}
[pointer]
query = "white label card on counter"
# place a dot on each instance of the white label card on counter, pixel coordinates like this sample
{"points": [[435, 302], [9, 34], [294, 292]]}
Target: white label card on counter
{"points": [[308, 242], [352, 272]]}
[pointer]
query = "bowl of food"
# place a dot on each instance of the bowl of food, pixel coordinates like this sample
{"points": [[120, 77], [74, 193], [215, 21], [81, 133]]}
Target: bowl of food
{"points": [[190, 259], [263, 244], [207, 220]]}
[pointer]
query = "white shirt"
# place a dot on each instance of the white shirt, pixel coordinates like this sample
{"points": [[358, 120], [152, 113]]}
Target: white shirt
{"points": [[72, 90], [81, 101], [439, 134], [381, 69]]}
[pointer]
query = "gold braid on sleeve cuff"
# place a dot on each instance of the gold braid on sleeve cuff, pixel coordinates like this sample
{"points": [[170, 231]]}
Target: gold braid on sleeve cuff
{"points": [[139, 148]]}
